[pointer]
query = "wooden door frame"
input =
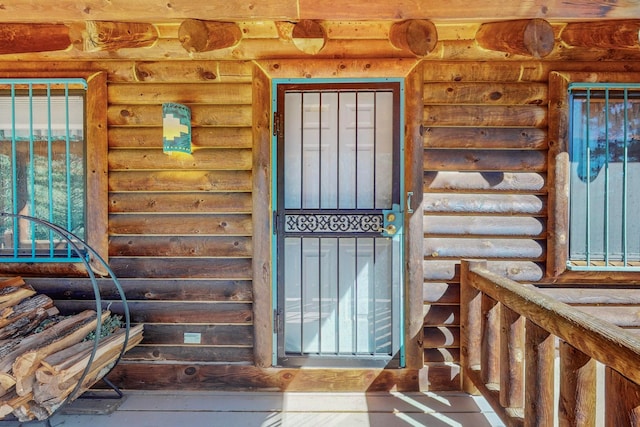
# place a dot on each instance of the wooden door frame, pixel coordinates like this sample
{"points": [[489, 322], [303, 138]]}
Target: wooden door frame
{"points": [[263, 174]]}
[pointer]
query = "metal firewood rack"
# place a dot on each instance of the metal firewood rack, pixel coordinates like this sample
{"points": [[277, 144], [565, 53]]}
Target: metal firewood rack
{"points": [[86, 254]]}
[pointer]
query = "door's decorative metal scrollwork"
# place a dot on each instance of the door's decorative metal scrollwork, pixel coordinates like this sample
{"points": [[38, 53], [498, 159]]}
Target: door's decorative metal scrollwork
{"points": [[333, 223]]}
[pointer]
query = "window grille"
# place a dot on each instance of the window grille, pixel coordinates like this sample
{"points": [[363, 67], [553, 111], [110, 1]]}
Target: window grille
{"points": [[42, 166], [604, 201]]}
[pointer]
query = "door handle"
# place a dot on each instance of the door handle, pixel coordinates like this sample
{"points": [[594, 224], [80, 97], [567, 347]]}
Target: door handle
{"points": [[389, 230], [391, 222]]}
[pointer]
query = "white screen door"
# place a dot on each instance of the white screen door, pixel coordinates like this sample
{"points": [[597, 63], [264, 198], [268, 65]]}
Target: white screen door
{"points": [[338, 224]]}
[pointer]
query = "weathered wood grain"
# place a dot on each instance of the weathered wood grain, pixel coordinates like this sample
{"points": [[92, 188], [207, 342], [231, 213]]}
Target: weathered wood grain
{"points": [[192, 202], [211, 159], [442, 337], [180, 246], [485, 115], [577, 398], [471, 226], [439, 270], [459, 248], [191, 267], [441, 315], [210, 334], [184, 289], [171, 180], [186, 93], [192, 224], [490, 93], [190, 353], [201, 137], [485, 138], [210, 114], [530, 37], [172, 312], [512, 204], [486, 160]]}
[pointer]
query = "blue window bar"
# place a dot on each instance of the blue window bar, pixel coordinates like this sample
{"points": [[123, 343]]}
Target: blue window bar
{"points": [[604, 231], [42, 167]]}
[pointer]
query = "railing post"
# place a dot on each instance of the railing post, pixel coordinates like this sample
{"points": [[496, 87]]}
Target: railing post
{"points": [[470, 324], [577, 402], [539, 376], [622, 400], [490, 358], [511, 359]]}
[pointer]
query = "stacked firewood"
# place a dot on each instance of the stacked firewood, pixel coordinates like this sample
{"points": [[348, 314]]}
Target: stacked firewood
{"points": [[43, 356]]}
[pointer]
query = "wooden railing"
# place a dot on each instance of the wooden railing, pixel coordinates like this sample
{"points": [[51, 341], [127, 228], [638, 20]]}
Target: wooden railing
{"points": [[511, 335]]}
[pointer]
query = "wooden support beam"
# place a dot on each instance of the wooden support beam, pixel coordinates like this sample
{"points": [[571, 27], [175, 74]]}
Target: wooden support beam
{"points": [[418, 36], [539, 371], [511, 359], [529, 37], [577, 402], [23, 38], [309, 36], [619, 34], [205, 36], [111, 36]]}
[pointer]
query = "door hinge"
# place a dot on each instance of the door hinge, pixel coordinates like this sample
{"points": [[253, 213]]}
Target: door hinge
{"points": [[277, 124], [277, 315], [275, 222]]}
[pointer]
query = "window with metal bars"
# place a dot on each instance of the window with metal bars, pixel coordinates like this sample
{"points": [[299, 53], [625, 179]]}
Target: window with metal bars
{"points": [[604, 151], [42, 167]]}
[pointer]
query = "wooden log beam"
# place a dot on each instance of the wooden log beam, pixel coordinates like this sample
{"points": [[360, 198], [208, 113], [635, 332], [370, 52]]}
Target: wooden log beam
{"points": [[24, 38], [529, 37], [112, 36], [577, 401], [418, 36], [539, 371], [309, 36], [205, 36], [618, 34]]}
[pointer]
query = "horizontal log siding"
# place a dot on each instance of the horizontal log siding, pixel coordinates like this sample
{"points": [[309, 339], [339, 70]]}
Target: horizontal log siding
{"points": [[183, 217], [485, 141]]}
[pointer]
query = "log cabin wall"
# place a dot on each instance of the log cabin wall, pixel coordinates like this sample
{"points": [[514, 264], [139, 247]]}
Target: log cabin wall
{"points": [[181, 231]]}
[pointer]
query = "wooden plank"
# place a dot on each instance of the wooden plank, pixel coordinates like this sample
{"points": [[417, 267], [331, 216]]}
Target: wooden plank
{"points": [[197, 268], [150, 114], [191, 353], [485, 138], [472, 226], [441, 293], [173, 311], [68, 288], [263, 261], [180, 202], [137, 375], [440, 355], [336, 68], [196, 224], [209, 158], [146, 10], [449, 270], [490, 93], [462, 10], [457, 248], [198, 180], [577, 399], [441, 337], [485, 115], [180, 246], [596, 295], [485, 182], [445, 315], [539, 374], [413, 173], [210, 335], [191, 71], [485, 160], [201, 137], [512, 204], [186, 93]]}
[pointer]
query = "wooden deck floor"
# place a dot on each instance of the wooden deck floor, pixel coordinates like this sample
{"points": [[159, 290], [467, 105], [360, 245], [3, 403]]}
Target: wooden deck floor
{"points": [[265, 409]]}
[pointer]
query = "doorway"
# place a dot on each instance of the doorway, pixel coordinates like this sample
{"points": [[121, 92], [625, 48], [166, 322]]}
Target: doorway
{"points": [[338, 223]]}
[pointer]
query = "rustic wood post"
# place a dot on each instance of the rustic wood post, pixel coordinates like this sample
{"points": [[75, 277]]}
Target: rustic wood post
{"points": [[418, 36], [577, 402], [490, 341], [470, 324], [539, 372], [205, 36], [511, 359], [111, 36], [622, 400], [620, 34], [22, 38], [530, 37], [309, 36]]}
